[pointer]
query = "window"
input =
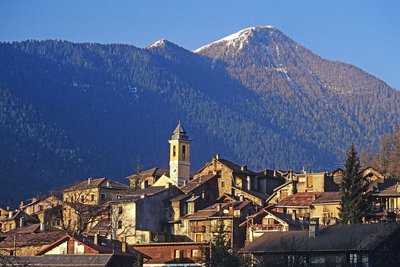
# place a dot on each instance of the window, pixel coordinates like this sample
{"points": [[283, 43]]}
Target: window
{"points": [[309, 181], [353, 258], [119, 224], [365, 260], [41, 208], [103, 197], [82, 199], [92, 197], [195, 253], [174, 151], [178, 254], [118, 196], [119, 210], [183, 152], [222, 184]]}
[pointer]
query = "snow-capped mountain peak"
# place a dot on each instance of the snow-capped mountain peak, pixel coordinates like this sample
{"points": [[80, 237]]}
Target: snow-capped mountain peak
{"points": [[238, 39]]}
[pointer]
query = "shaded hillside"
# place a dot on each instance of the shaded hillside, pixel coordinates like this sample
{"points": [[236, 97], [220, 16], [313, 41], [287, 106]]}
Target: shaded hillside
{"points": [[69, 111], [329, 104]]}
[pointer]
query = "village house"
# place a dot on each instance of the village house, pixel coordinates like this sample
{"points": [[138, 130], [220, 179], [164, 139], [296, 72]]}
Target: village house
{"points": [[47, 209], [326, 208], [188, 254], [75, 245], [146, 178], [385, 200], [334, 245], [200, 226], [17, 219], [143, 215], [28, 240], [297, 205], [95, 191], [266, 221]]}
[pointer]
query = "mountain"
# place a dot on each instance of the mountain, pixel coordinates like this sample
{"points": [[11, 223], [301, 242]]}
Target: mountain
{"points": [[69, 111]]}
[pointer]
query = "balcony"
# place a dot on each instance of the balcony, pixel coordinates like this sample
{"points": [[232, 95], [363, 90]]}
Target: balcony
{"points": [[266, 227], [198, 229]]}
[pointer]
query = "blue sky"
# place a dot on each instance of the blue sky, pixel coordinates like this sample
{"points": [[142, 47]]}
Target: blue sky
{"points": [[363, 33]]}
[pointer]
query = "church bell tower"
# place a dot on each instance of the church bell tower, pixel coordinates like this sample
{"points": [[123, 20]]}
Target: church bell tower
{"points": [[179, 159]]}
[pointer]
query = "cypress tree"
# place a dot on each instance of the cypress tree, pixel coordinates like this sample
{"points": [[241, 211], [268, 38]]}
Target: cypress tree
{"points": [[353, 191]]}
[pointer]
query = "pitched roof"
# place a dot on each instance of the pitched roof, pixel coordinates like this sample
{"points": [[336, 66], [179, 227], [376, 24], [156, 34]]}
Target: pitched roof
{"points": [[156, 172], [287, 218], [30, 236], [98, 182], [212, 211], [104, 246], [327, 197], [148, 191], [102, 227], [299, 200], [77, 260], [20, 214], [387, 187], [344, 237], [195, 183]]}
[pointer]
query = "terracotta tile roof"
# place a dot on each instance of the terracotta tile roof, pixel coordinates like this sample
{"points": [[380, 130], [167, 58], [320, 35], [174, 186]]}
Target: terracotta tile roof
{"points": [[342, 237], [193, 184], [327, 197], [299, 200]]}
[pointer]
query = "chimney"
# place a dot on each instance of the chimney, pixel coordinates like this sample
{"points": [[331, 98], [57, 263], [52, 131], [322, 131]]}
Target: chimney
{"points": [[10, 214], [96, 239], [313, 228], [21, 204], [274, 173], [123, 246], [21, 222], [34, 199], [218, 207], [89, 180], [248, 183], [217, 156], [243, 168], [398, 187], [42, 227], [294, 217]]}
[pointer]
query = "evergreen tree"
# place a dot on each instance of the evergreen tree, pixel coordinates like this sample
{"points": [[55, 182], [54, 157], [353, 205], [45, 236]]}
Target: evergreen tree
{"points": [[353, 191], [220, 255]]}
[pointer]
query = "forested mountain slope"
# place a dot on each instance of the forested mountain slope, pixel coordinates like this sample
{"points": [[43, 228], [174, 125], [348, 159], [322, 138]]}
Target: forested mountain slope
{"points": [[69, 111]]}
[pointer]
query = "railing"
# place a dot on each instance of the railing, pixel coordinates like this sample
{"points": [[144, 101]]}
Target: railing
{"points": [[198, 229], [263, 227]]}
